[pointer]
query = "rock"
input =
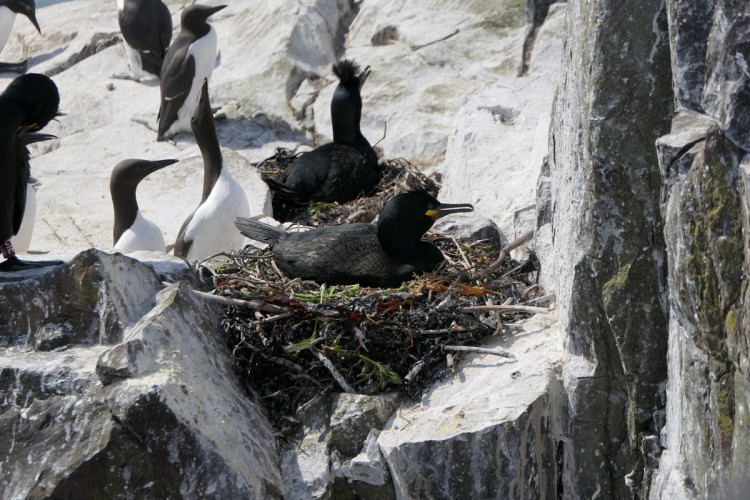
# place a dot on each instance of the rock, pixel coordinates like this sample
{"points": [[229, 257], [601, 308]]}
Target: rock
{"points": [[366, 475], [609, 262], [497, 150], [138, 398], [726, 96], [472, 226], [487, 431], [354, 415]]}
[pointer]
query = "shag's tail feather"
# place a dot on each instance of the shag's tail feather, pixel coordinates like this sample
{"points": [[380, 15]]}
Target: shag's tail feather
{"points": [[259, 231]]}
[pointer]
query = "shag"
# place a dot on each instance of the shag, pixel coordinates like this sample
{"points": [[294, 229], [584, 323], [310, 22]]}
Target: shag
{"points": [[146, 27], [132, 231], [380, 256], [208, 230], [190, 60], [8, 11], [344, 169], [26, 106]]}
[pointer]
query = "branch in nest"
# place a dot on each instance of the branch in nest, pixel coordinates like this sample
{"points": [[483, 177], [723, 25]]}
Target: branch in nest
{"points": [[482, 350], [504, 253], [506, 309], [336, 375], [414, 371], [249, 304]]}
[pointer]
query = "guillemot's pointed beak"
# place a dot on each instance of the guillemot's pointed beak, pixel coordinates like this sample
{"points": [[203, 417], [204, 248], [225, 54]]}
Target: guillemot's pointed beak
{"points": [[159, 164], [363, 76], [448, 208], [31, 14], [214, 10]]}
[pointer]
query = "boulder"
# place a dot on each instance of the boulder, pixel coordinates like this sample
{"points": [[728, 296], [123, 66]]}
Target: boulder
{"points": [[136, 396]]}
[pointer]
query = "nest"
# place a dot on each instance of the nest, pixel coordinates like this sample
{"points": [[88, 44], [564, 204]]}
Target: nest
{"points": [[397, 176], [294, 340]]}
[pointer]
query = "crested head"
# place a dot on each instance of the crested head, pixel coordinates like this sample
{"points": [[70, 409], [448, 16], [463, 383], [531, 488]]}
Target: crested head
{"points": [[349, 75], [37, 96]]}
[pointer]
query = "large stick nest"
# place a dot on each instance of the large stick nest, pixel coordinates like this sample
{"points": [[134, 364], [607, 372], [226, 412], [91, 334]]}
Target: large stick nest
{"points": [[286, 330]]}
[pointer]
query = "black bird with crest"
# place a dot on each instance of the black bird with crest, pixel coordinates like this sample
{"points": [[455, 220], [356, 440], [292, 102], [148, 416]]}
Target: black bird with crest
{"points": [[339, 171], [379, 255]]}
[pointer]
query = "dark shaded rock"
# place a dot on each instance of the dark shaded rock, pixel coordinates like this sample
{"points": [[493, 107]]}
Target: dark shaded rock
{"points": [[159, 415], [726, 96], [689, 25], [614, 101]]}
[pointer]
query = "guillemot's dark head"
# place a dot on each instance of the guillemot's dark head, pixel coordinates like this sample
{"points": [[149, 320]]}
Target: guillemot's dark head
{"points": [[346, 104], [36, 96], [194, 17], [23, 7]]}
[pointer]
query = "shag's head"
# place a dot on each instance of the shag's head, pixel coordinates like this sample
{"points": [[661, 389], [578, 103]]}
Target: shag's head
{"points": [[194, 17], [418, 210], [36, 96], [24, 7]]}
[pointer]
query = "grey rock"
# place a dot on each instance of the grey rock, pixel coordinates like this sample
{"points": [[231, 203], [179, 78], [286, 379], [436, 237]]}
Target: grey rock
{"points": [[726, 95], [355, 415], [139, 398]]}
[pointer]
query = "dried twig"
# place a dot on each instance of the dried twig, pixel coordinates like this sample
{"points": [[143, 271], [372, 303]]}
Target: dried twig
{"points": [[250, 304], [506, 309], [414, 371], [504, 253], [482, 350], [339, 378]]}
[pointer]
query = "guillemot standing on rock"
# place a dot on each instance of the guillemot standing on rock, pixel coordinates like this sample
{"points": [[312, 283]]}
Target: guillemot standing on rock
{"points": [[190, 60], [385, 255], [132, 231], [339, 171], [208, 230], [146, 27], [8, 11], [26, 106]]}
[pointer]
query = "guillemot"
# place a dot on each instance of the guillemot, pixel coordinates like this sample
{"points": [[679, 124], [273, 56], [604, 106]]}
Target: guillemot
{"points": [[339, 171], [208, 230], [8, 11], [189, 61], [382, 255], [146, 27], [132, 231], [27, 105]]}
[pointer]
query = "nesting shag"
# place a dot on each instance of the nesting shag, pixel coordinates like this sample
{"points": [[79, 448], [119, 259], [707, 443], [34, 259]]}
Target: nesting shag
{"points": [[343, 169], [383, 255]]}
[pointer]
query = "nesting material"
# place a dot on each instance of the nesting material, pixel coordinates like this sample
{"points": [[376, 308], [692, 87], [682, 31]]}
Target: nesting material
{"points": [[294, 341]]}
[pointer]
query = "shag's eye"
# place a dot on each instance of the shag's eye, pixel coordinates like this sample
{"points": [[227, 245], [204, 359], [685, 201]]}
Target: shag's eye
{"points": [[28, 7]]}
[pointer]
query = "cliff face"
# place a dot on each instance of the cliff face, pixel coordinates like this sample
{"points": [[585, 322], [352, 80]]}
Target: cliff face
{"points": [[637, 115], [644, 201]]}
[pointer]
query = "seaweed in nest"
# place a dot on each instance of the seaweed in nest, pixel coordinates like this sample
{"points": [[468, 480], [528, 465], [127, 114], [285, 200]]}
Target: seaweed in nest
{"points": [[282, 331], [397, 176]]}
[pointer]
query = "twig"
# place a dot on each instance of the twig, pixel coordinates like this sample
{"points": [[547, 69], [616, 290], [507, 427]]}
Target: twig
{"points": [[250, 304], [309, 345], [482, 350], [506, 309], [538, 300], [339, 378], [504, 253], [414, 371], [463, 255], [453, 329], [287, 363], [277, 317]]}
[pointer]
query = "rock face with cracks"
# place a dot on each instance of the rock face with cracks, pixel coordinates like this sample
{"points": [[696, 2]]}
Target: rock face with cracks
{"points": [[135, 394], [617, 130]]}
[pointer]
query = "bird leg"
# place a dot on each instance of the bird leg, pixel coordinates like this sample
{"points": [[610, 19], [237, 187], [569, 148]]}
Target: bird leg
{"points": [[13, 263]]}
